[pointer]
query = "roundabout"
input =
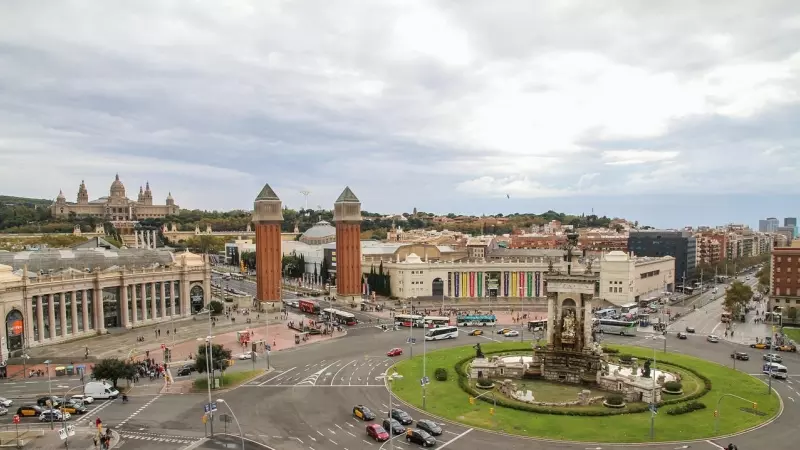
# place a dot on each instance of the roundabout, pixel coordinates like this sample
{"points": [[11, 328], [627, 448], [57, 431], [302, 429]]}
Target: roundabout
{"points": [[458, 400]]}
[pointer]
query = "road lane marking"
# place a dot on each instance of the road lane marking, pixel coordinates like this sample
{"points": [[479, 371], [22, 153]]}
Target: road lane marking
{"points": [[312, 438], [339, 427], [351, 425], [332, 441], [298, 439], [351, 434], [455, 438], [279, 375], [342, 368]]}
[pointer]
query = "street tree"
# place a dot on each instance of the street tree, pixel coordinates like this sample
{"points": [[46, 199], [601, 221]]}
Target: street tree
{"points": [[112, 369], [737, 296], [216, 307], [763, 276], [220, 357]]}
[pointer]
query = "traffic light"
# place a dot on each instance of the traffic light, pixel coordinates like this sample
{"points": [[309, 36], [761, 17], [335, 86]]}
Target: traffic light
{"points": [[755, 405], [491, 411], [472, 400], [716, 413]]}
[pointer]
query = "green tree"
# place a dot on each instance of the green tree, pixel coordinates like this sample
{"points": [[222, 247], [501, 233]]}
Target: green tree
{"points": [[324, 271], [737, 296], [764, 275], [220, 357], [112, 369], [249, 259], [216, 307], [206, 244]]}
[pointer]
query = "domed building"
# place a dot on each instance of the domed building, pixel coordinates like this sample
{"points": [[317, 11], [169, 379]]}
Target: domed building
{"points": [[116, 206], [321, 233]]}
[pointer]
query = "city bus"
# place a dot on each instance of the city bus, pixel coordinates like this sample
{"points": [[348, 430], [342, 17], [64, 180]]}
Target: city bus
{"points": [[605, 313], [486, 320], [537, 325], [620, 327], [309, 306], [432, 322], [237, 276], [725, 317], [436, 334], [406, 320], [774, 370], [340, 317]]}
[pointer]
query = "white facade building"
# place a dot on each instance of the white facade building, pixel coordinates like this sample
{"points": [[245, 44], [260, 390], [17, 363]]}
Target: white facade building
{"points": [[625, 279]]}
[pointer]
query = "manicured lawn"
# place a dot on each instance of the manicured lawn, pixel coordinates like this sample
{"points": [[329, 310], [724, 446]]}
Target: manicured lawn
{"points": [[229, 380], [793, 333], [447, 399]]}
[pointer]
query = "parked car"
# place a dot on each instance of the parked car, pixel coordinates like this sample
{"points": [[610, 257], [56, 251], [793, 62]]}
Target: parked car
{"points": [[741, 356]]}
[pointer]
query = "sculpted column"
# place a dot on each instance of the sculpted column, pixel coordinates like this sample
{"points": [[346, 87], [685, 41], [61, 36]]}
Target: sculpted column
{"points": [[124, 306], [163, 300], [74, 312], [136, 236], [100, 323], [40, 318], [551, 317], [62, 314], [171, 297], [153, 306], [51, 315], [587, 320], [85, 310], [134, 306], [143, 301]]}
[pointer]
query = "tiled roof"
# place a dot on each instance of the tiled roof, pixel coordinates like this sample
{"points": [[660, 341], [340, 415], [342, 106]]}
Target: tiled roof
{"points": [[267, 194], [347, 196]]}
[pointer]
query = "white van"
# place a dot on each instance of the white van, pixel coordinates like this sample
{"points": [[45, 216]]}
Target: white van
{"points": [[775, 370], [100, 390]]}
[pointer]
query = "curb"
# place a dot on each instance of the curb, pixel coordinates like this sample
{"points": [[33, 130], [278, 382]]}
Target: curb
{"points": [[616, 444]]}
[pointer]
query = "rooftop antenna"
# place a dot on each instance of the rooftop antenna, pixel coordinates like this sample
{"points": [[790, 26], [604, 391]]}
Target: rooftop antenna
{"points": [[305, 195]]}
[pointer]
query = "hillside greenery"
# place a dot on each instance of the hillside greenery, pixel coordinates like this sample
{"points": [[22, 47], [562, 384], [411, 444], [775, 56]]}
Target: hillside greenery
{"points": [[29, 215]]}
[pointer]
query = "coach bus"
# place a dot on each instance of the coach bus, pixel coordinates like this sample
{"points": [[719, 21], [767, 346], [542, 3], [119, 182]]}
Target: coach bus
{"points": [[340, 317], [309, 306], [537, 325], [486, 320], [620, 327], [432, 322], [406, 320], [440, 333]]}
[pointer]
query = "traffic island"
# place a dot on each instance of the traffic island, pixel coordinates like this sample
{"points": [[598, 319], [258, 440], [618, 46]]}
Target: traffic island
{"points": [[745, 403]]}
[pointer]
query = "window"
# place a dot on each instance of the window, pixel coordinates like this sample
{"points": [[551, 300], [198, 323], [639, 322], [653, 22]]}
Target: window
{"points": [[611, 289]]}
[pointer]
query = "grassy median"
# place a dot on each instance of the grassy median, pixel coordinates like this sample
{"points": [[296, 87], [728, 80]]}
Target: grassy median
{"points": [[448, 400]]}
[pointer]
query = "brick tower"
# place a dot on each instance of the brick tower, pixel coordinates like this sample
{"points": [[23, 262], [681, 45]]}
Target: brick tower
{"points": [[268, 217], [347, 215]]}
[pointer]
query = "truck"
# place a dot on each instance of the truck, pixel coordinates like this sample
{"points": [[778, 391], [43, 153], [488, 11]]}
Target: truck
{"points": [[100, 390]]}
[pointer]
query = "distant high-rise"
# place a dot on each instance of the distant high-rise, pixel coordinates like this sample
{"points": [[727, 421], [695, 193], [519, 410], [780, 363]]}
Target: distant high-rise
{"points": [[769, 225], [790, 221], [681, 245]]}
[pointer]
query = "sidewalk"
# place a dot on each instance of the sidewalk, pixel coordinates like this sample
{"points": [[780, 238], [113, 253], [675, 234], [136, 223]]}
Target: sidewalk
{"points": [[81, 440], [121, 344], [505, 315]]}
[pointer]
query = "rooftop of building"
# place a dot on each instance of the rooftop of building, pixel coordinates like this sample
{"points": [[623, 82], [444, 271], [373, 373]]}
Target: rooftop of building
{"points": [[48, 260], [525, 252], [321, 229]]}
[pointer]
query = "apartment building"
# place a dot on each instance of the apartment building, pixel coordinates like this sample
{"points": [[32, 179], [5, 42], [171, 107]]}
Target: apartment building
{"points": [[784, 289]]}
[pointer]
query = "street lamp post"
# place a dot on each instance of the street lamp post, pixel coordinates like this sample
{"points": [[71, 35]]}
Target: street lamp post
{"points": [[424, 369], [390, 379], [241, 433], [209, 378], [49, 390], [63, 418]]}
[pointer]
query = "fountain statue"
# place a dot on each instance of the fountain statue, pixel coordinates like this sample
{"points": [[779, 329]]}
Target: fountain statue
{"points": [[646, 369], [478, 352], [568, 325]]}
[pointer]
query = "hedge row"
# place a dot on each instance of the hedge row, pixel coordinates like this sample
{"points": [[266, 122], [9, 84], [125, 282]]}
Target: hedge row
{"points": [[686, 408], [463, 383]]}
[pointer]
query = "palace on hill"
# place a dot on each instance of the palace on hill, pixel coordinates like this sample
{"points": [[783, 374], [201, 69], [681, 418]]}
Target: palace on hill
{"points": [[116, 207]]}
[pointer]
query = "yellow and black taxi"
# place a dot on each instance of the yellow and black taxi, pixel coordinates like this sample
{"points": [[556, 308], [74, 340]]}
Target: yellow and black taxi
{"points": [[420, 437], [73, 408], [363, 413], [476, 333], [29, 411], [759, 345], [504, 330]]}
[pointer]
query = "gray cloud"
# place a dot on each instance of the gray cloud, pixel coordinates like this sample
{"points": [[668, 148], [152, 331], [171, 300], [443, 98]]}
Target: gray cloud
{"points": [[426, 104]]}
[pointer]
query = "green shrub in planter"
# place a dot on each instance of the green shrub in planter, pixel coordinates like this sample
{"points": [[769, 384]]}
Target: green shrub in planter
{"points": [[440, 374], [686, 408], [610, 351], [615, 399], [484, 382], [625, 358], [673, 386]]}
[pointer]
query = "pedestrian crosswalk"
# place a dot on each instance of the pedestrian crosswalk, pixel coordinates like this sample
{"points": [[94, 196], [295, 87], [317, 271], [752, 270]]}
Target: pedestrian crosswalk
{"points": [[154, 437]]}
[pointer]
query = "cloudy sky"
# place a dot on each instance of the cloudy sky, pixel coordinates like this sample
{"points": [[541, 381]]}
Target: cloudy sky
{"points": [[670, 113]]}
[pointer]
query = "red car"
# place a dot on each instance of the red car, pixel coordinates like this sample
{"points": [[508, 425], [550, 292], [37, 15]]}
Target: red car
{"points": [[377, 432], [395, 352]]}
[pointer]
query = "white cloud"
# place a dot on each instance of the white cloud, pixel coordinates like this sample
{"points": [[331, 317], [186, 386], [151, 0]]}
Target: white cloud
{"points": [[632, 157], [523, 99]]}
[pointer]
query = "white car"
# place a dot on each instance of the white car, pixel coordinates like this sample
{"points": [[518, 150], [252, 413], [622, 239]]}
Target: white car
{"points": [[87, 399], [713, 339], [512, 333], [245, 355], [57, 415], [3, 411], [6, 402], [772, 357]]}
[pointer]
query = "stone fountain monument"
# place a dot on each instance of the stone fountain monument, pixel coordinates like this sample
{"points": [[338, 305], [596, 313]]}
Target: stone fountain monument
{"points": [[571, 355]]}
